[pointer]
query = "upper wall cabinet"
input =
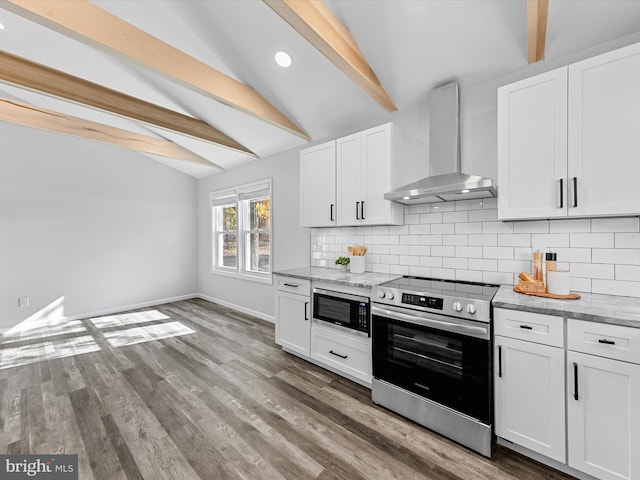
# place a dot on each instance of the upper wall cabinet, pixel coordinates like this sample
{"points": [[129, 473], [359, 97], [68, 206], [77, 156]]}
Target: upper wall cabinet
{"points": [[348, 189], [568, 142]]}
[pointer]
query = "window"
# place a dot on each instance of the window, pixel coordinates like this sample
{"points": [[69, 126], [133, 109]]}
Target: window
{"points": [[241, 237]]}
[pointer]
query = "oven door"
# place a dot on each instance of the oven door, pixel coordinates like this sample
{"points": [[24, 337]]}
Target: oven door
{"points": [[444, 359]]}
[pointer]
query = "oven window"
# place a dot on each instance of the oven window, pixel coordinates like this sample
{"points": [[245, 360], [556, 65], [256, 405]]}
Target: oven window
{"points": [[451, 369]]}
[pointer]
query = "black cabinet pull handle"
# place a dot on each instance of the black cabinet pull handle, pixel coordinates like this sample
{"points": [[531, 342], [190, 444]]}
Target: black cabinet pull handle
{"points": [[526, 327], [362, 210], [562, 193], [575, 381], [575, 191], [606, 341], [331, 211], [306, 310], [290, 285], [357, 210], [500, 361], [337, 354]]}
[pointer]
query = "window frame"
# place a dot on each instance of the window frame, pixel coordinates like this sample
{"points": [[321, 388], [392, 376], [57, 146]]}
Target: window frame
{"points": [[240, 197]]}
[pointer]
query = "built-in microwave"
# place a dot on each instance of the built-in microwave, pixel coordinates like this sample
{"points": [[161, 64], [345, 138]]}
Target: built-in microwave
{"points": [[343, 310]]}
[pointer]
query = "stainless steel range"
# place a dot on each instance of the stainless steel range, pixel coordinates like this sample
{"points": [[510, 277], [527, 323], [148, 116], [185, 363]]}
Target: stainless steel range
{"points": [[432, 356]]}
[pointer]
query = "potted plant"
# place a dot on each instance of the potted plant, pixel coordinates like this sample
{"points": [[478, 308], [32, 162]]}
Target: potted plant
{"points": [[343, 262]]}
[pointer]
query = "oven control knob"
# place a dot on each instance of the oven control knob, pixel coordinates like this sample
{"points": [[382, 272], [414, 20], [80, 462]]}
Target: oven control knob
{"points": [[380, 293], [457, 306], [390, 295], [471, 308]]}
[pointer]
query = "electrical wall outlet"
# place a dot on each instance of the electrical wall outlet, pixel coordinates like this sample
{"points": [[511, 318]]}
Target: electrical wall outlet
{"points": [[23, 302]]}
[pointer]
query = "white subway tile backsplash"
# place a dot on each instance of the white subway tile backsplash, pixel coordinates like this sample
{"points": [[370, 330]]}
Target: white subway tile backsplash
{"points": [[539, 226], [621, 224], [469, 252], [542, 241], [443, 251], [443, 228], [515, 240], [484, 240], [455, 217], [616, 287], [464, 240], [628, 272], [455, 240], [627, 240], [570, 226], [592, 240], [468, 228], [624, 256], [592, 270], [504, 253]]}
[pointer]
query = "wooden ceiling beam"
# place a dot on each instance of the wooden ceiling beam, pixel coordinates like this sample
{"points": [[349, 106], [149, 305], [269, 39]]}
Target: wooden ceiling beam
{"points": [[24, 73], [36, 117], [319, 26], [537, 12], [89, 24]]}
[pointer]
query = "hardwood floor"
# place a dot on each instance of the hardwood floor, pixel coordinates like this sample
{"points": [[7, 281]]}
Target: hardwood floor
{"points": [[192, 390]]}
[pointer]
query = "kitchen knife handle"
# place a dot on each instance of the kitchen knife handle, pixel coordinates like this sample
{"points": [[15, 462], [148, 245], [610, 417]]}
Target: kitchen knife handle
{"points": [[331, 211], [562, 193], [306, 310], [575, 381], [357, 210], [500, 361], [362, 210], [575, 192]]}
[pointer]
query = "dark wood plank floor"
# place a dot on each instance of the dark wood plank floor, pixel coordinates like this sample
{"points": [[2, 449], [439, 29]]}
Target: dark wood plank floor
{"points": [[192, 390]]}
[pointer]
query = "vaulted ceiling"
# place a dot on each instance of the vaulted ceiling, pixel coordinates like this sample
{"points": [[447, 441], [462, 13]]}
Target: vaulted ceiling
{"points": [[207, 67]]}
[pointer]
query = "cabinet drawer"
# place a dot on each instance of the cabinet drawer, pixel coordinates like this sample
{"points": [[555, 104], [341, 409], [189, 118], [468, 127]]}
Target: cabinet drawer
{"points": [[344, 352], [604, 340], [293, 285], [529, 326]]}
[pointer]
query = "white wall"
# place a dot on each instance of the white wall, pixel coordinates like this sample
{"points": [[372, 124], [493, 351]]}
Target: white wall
{"points": [[98, 226], [290, 241]]}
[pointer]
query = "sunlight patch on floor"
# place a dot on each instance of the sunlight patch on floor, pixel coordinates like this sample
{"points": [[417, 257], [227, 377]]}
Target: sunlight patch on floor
{"points": [[47, 350], [131, 336], [128, 319]]}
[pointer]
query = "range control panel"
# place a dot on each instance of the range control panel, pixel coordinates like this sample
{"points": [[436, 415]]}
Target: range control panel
{"points": [[423, 301]]}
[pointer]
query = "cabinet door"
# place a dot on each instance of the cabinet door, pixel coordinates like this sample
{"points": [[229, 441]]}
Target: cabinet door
{"points": [[350, 174], [293, 330], [318, 185], [604, 114], [529, 396], [604, 420], [532, 147]]}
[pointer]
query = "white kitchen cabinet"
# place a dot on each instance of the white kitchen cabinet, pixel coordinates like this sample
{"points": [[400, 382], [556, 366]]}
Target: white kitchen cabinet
{"points": [[568, 142], [604, 114], [603, 400], [364, 163], [529, 382], [293, 315], [532, 147], [318, 185], [350, 191]]}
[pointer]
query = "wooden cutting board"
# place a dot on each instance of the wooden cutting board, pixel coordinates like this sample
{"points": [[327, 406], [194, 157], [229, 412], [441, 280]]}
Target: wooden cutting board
{"points": [[571, 296]]}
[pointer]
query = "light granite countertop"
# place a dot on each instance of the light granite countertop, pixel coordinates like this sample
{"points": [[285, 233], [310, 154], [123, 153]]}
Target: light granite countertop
{"points": [[333, 275], [592, 307]]}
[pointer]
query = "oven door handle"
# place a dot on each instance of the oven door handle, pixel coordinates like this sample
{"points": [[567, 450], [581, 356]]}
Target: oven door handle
{"points": [[427, 320]]}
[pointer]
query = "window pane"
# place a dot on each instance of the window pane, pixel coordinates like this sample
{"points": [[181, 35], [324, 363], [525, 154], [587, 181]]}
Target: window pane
{"points": [[258, 249], [229, 218], [229, 249], [259, 213]]}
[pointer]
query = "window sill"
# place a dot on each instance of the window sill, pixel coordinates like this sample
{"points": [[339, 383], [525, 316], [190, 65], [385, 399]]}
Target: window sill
{"points": [[260, 278]]}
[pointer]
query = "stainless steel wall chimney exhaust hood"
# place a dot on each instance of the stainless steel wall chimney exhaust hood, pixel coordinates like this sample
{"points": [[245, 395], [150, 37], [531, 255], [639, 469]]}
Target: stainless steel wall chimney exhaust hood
{"points": [[446, 182]]}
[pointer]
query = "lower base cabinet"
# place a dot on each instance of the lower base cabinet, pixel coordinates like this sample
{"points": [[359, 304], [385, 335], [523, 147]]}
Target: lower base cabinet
{"points": [[293, 315], [342, 352], [529, 396], [603, 410]]}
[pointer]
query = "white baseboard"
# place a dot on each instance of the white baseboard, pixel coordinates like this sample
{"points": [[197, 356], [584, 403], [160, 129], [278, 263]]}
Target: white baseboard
{"points": [[114, 310], [248, 311]]}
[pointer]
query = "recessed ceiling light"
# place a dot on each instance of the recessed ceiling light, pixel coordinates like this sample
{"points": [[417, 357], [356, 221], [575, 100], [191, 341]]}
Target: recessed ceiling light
{"points": [[283, 59], [1, 26], [464, 191]]}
